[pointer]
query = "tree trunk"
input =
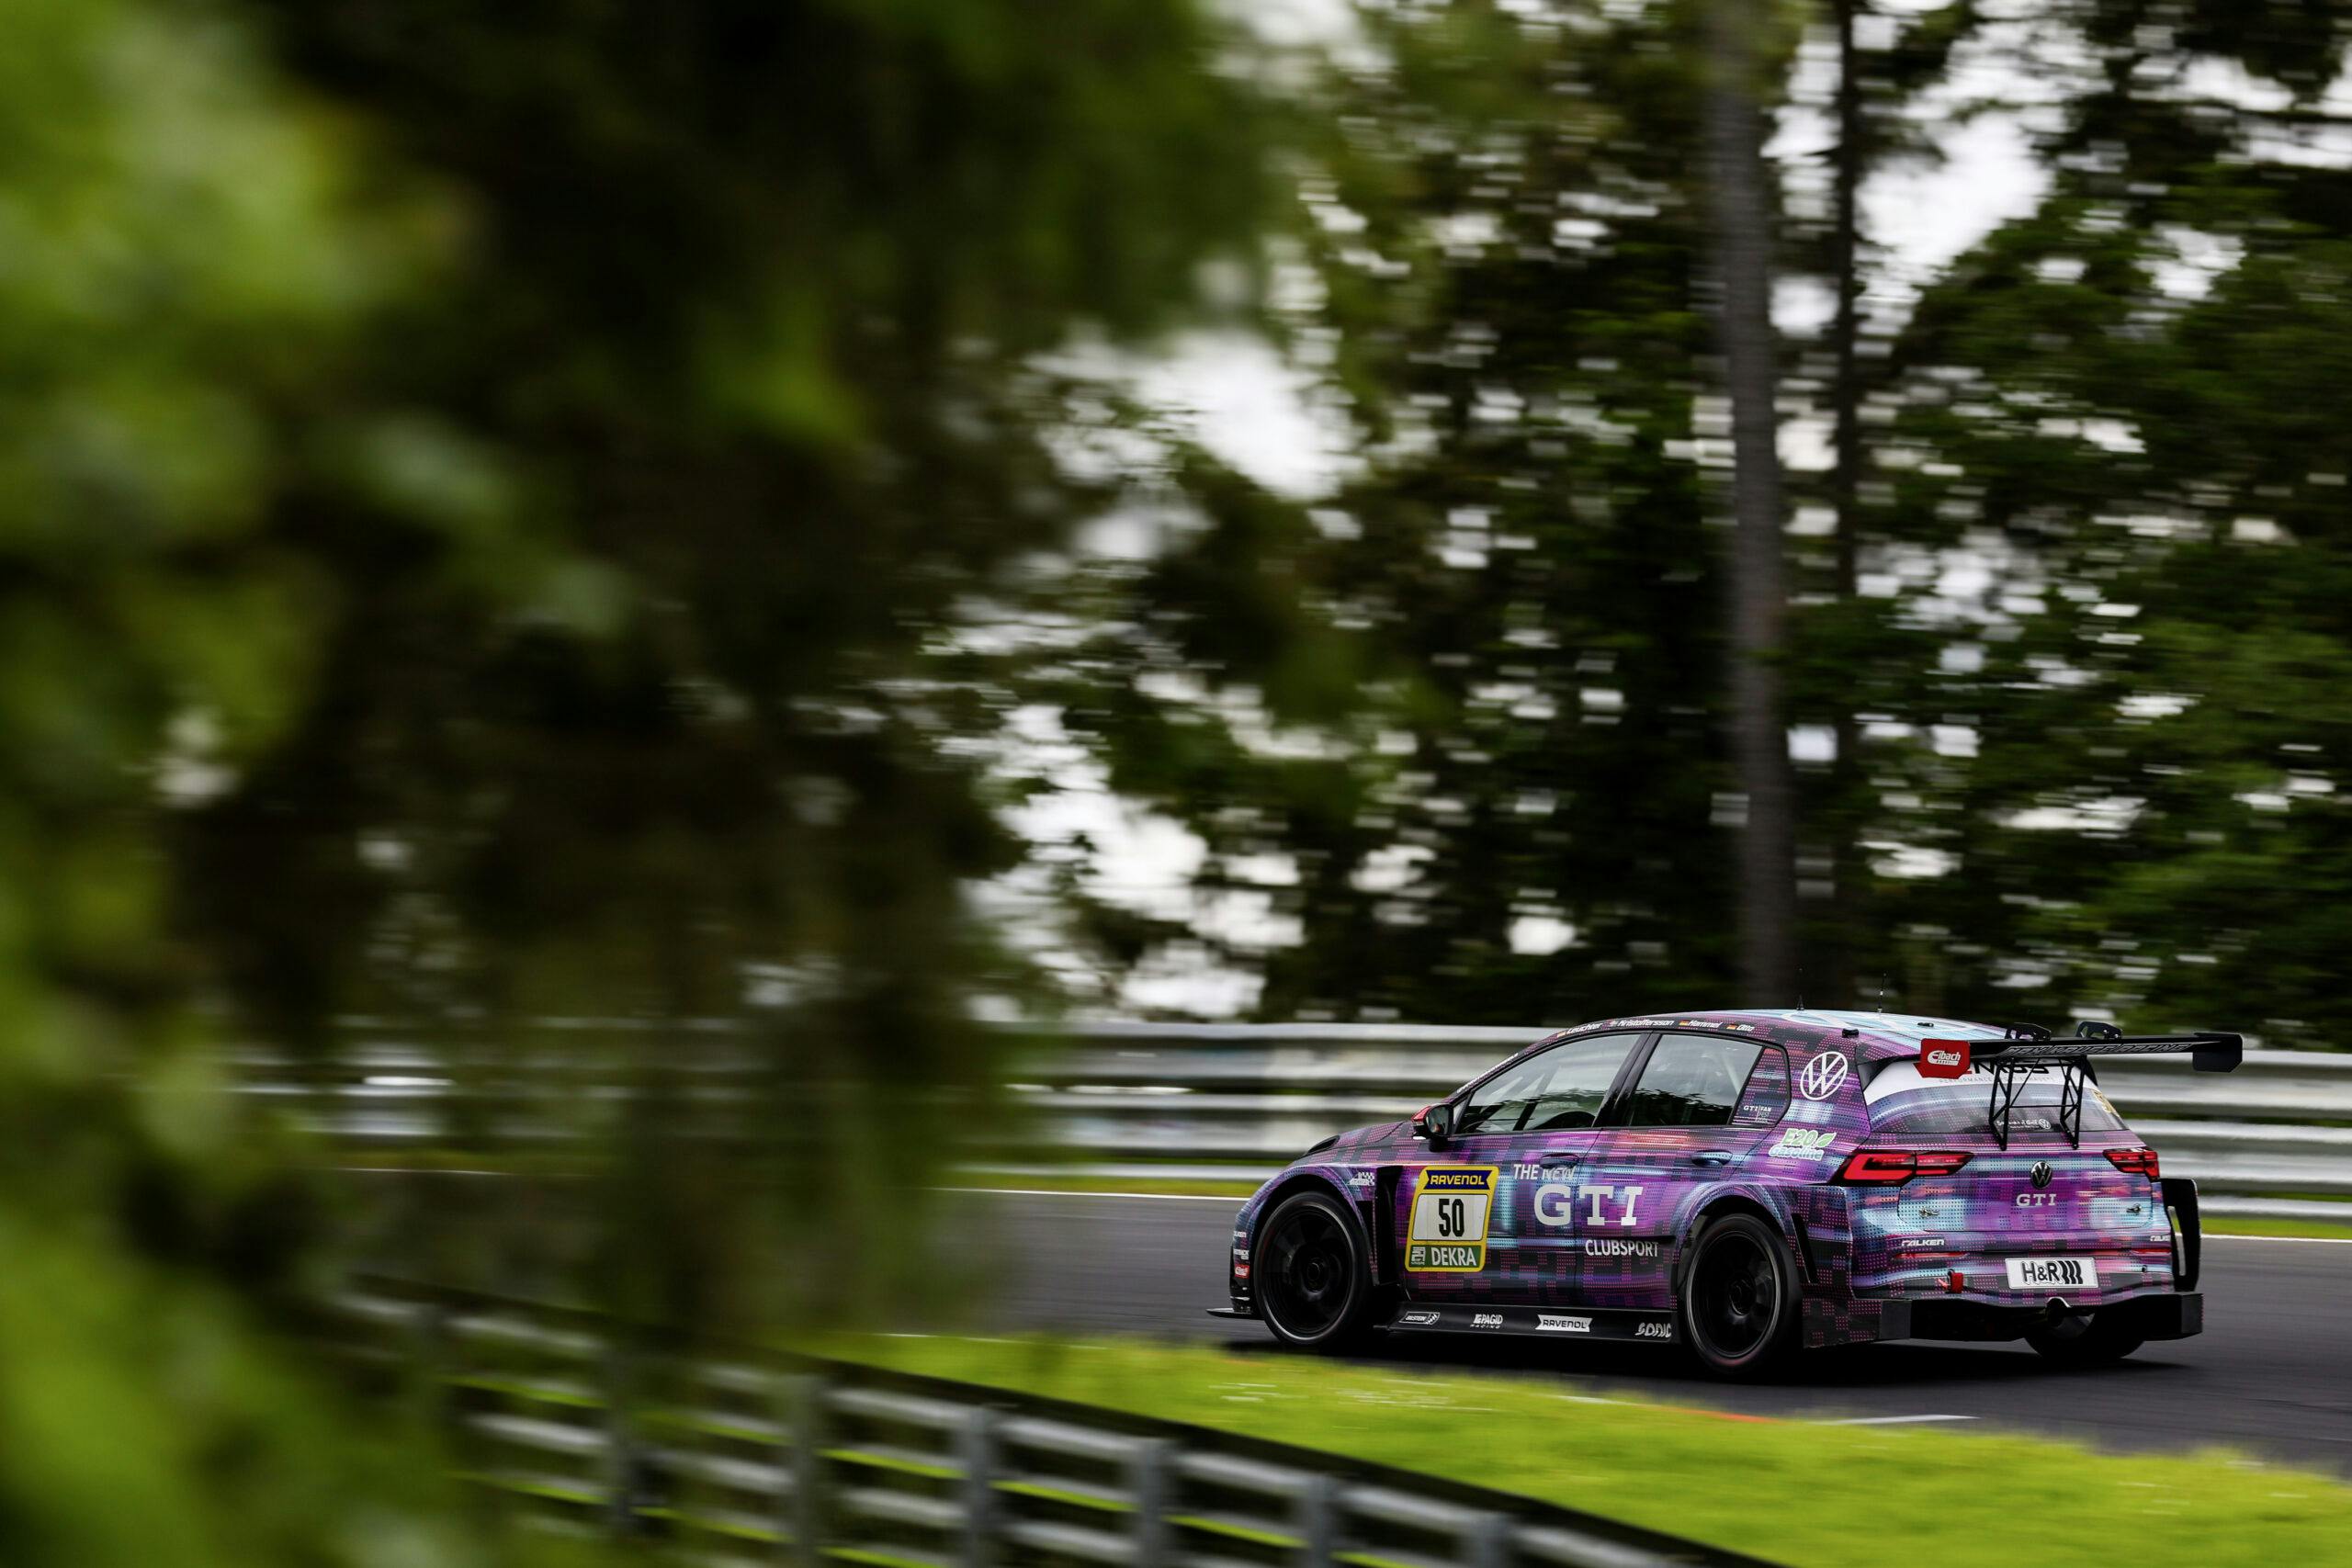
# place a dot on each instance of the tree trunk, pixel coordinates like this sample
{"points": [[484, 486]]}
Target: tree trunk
{"points": [[1847, 922], [1759, 739]]}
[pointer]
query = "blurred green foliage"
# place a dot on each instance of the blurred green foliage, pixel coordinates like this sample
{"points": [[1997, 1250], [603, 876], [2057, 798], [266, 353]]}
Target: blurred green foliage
{"points": [[477, 485]]}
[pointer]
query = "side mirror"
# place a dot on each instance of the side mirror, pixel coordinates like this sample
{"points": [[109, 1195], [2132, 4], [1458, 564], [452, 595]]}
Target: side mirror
{"points": [[1434, 1122]]}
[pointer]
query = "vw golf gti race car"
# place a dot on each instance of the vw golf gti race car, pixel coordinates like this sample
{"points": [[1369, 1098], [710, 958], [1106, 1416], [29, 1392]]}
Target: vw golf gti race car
{"points": [[1746, 1184]]}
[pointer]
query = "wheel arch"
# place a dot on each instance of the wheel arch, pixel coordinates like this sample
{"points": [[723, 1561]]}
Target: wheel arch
{"points": [[1306, 1179], [1726, 1201]]}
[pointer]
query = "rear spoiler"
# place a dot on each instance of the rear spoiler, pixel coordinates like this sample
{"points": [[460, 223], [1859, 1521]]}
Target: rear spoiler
{"points": [[2029, 1048]]}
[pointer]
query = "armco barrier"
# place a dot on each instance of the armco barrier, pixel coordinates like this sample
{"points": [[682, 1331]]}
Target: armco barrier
{"points": [[2273, 1137], [740, 1458]]}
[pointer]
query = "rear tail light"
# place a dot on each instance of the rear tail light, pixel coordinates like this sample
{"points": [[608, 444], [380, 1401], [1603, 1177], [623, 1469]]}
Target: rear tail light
{"points": [[2134, 1162], [1892, 1168]]}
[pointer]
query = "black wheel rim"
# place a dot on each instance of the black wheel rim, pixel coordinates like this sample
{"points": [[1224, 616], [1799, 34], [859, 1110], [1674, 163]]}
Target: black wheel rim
{"points": [[1306, 1271], [1735, 1301]]}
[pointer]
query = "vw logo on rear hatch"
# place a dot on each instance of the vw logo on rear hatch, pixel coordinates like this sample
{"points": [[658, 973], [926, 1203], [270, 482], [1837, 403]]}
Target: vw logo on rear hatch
{"points": [[2041, 1174], [1823, 1074]]}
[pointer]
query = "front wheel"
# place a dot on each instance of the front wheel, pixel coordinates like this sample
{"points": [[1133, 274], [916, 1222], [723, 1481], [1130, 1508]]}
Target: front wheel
{"points": [[1313, 1288], [2092, 1341], [1739, 1308]]}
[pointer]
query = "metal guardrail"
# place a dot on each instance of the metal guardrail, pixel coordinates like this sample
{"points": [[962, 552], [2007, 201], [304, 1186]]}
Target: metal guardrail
{"points": [[746, 1459], [1241, 1099], [2273, 1137]]}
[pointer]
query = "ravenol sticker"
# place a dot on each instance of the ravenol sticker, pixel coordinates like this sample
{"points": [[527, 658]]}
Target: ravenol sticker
{"points": [[1451, 1207]]}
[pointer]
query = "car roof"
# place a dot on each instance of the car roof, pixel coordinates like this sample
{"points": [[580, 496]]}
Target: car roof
{"points": [[1876, 1034]]}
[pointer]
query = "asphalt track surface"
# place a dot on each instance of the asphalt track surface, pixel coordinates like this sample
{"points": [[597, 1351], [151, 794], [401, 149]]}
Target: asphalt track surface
{"points": [[2271, 1375]]}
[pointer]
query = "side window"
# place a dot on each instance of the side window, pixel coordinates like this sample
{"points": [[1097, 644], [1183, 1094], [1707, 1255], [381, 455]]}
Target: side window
{"points": [[1551, 1091], [1767, 1098], [1692, 1080]]}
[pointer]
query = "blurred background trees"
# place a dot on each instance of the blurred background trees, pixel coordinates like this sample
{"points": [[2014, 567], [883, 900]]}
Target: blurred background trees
{"points": [[550, 511], [2055, 659]]}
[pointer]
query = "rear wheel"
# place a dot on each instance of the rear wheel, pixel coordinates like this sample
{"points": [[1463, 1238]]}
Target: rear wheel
{"points": [[1314, 1289], [2092, 1341], [1739, 1298]]}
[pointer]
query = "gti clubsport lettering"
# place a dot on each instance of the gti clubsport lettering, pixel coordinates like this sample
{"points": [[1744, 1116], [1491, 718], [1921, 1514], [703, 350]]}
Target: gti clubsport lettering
{"points": [[1746, 1186]]}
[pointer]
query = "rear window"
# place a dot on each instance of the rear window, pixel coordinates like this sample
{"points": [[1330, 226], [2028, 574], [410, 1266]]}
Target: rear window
{"points": [[1765, 1098], [1902, 1101], [1691, 1080]]}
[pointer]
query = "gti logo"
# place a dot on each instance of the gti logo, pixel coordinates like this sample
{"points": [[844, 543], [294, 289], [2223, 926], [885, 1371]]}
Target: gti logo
{"points": [[1555, 1204]]}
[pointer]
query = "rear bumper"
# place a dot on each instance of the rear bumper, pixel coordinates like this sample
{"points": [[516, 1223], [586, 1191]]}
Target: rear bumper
{"points": [[2176, 1314]]}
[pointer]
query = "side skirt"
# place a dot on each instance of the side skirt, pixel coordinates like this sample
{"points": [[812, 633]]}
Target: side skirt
{"points": [[1581, 1322]]}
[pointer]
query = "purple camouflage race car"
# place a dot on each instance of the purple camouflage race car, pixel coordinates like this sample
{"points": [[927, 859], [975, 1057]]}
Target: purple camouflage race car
{"points": [[1746, 1184]]}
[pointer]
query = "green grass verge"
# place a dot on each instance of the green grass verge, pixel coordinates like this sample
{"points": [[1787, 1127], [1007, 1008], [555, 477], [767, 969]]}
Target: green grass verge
{"points": [[1793, 1491]]}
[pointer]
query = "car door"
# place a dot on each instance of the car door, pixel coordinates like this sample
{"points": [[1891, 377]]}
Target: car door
{"points": [[1488, 1217], [1697, 1104]]}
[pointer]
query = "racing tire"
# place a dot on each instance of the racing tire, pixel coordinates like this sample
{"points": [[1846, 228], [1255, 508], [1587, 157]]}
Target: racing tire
{"points": [[1314, 1281], [2095, 1341], [1739, 1309]]}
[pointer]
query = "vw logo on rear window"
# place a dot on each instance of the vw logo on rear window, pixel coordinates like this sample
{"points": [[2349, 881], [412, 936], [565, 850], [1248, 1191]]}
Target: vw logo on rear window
{"points": [[1823, 1074], [2040, 1173]]}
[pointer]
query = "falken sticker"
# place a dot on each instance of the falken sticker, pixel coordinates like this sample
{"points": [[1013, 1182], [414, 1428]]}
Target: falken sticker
{"points": [[1452, 1204]]}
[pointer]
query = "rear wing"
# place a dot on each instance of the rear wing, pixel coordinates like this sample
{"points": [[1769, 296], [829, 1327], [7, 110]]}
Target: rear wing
{"points": [[2028, 1049]]}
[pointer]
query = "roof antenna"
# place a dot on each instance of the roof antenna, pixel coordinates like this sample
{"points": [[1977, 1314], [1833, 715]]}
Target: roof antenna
{"points": [[1881, 990]]}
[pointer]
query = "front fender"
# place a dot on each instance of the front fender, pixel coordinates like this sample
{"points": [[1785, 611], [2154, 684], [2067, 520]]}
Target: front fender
{"points": [[1358, 1190]]}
